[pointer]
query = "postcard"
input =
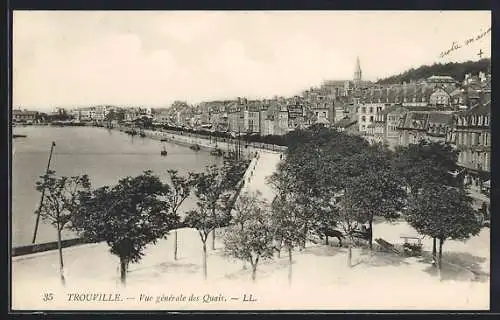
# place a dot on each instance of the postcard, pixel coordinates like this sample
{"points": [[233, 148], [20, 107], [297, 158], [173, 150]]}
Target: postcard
{"points": [[250, 160]]}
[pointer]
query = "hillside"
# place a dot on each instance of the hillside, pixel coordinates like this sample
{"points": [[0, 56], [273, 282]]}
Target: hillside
{"points": [[454, 69]]}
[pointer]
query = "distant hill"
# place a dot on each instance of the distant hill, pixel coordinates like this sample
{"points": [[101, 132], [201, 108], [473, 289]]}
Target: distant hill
{"points": [[454, 69]]}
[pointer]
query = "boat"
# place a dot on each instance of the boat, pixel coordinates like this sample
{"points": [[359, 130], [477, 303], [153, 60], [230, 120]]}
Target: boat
{"points": [[217, 152], [164, 140], [19, 136], [131, 132], [164, 152], [195, 147], [142, 134]]}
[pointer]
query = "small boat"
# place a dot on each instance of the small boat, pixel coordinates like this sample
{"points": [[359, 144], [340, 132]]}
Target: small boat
{"points": [[131, 132], [164, 140], [216, 152], [164, 152], [14, 136], [195, 147], [142, 134]]}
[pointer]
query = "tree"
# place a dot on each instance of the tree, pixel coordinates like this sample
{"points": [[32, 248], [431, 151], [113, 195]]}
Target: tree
{"points": [[245, 207], [60, 202], [427, 162], [128, 216], [287, 226], [376, 193], [210, 187], [443, 213], [349, 216], [202, 219], [180, 189], [252, 239]]}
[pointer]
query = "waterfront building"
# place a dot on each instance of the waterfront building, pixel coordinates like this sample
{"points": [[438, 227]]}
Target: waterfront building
{"points": [[24, 116], [415, 126], [393, 116], [472, 137], [323, 112], [348, 125], [440, 98], [251, 117], [161, 117]]}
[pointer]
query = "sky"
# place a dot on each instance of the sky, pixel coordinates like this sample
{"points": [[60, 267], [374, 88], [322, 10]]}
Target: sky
{"points": [[152, 58]]}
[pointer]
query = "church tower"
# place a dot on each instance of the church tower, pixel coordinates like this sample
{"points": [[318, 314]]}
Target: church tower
{"points": [[357, 71]]}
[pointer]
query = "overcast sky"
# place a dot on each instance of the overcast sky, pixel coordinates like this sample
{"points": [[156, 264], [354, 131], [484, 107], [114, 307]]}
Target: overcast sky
{"points": [[152, 58]]}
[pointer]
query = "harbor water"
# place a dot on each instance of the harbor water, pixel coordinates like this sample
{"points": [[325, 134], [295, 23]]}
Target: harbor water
{"points": [[105, 155]]}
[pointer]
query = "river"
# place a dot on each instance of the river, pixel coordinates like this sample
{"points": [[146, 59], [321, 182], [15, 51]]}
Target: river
{"points": [[105, 155]]}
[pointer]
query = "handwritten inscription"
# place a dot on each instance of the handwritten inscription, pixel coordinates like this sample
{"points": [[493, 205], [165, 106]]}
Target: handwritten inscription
{"points": [[457, 45]]}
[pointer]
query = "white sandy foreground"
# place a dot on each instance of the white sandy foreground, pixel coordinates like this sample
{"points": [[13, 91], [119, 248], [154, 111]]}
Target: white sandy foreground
{"points": [[320, 279]]}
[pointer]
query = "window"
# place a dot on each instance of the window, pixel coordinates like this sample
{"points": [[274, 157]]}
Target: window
{"points": [[371, 109], [486, 120], [371, 118], [363, 110], [363, 119], [363, 127]]}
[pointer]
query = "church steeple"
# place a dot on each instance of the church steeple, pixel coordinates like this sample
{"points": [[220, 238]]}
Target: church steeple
{"points": [[357, 71]]}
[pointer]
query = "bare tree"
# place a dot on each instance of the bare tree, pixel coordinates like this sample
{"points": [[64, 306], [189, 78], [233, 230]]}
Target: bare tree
{"points": [[60, 202], [180, 189]]}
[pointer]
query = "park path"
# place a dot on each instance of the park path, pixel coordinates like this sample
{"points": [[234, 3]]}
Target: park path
{"points": [[261, 168]]}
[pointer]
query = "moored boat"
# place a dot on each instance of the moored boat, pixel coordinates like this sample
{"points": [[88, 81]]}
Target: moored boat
{"points": [[163, 152], [217, 152], [195, 147]]}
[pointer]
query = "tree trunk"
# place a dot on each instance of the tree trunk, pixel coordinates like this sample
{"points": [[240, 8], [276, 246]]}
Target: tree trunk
{"points": [[213, 232], [289, 265], [349, 255], [254, 269], [205, 260], [441, 241], [434, 258], [213, 239], [123, 270], [175, 245], [326, 240], [370, 234], [305, 236], [61, 262]]}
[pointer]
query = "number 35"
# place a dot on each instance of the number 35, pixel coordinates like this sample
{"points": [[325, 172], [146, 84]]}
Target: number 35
{"points": [[48, 297]]}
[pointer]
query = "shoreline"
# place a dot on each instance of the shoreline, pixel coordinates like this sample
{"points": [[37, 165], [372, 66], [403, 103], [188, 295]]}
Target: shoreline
{"points": [[206, 144]]}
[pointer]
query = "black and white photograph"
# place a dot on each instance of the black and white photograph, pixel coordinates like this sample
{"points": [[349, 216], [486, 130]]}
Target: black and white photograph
{"points": [[250, 160]]}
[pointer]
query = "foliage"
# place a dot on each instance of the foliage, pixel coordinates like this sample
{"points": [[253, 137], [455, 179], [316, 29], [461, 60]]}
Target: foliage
{"points": [[456, 70], [128, 216], [443, 212], [202, 220], [252, 239], [286, 221], [246, 206], [427, 162], [61, 197], [210, 188], [377, 193], [180, 189]]}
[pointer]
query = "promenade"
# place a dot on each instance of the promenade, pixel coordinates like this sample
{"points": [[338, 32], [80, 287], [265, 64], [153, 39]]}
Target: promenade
{"points": [[319, 271]]}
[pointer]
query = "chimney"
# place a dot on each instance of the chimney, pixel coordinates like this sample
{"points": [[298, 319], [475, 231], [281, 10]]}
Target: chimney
{"points": [[239, 100]]}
